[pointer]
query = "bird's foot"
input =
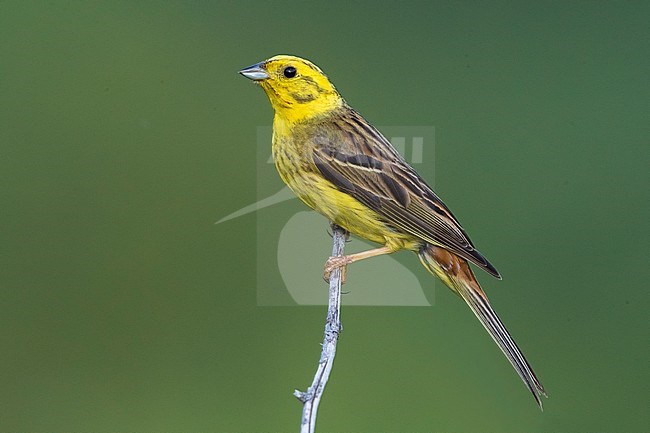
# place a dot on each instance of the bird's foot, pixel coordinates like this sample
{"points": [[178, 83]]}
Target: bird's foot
{"points": [[338, 262]]}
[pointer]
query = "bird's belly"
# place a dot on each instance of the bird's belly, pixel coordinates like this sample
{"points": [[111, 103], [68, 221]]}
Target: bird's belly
{"points": [[348, 212]]}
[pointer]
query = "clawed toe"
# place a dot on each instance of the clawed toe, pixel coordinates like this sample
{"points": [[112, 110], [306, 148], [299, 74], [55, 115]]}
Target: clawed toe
{"points": [[333, 263]]}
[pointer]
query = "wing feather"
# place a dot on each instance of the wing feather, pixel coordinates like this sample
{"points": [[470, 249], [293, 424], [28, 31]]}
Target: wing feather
{"points": [[359, 161]]}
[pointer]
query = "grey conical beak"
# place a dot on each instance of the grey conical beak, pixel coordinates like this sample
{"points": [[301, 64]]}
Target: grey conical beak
{"points": [[255, 72]]}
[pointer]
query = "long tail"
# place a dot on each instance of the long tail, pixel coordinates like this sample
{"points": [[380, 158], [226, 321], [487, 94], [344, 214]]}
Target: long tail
{"points": [[456, 273]]}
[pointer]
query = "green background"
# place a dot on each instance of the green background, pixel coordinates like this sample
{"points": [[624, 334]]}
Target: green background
{"points": [[125, 133]]}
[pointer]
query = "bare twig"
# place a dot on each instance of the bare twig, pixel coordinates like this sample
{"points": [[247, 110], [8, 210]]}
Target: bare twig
{"points": [[311, 397]]}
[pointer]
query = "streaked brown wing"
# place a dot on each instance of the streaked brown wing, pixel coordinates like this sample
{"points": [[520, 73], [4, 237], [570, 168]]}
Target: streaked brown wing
{"points": [[359, 161]]}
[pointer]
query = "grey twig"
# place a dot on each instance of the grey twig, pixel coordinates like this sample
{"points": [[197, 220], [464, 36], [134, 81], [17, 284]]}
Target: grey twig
{"points": [[311, 397]]}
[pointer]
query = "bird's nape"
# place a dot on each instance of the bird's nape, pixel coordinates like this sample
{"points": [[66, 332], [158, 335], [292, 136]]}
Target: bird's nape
{"points": [[340, 165]]}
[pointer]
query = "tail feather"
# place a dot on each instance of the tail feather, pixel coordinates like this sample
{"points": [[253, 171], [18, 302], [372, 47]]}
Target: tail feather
{"points": [[456, 273]]}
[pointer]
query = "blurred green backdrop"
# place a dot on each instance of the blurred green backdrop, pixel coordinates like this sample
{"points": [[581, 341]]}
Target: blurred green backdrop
{"points": [[125, 133]]}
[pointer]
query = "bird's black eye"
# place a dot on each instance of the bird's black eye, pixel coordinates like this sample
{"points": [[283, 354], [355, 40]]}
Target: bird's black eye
{"points": [[290, 72]]}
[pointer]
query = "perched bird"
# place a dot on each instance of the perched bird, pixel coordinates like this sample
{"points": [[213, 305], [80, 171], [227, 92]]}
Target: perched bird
{"points": [[342, 167]]}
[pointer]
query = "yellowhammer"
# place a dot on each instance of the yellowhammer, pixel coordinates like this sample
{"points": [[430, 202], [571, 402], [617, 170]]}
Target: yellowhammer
{"points": [[344, 168]]}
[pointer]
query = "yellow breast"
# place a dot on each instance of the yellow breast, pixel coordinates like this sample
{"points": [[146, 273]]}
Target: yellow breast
{"points": [[297, 169]]}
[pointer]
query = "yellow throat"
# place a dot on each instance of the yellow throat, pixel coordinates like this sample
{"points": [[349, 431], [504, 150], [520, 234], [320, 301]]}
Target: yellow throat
{"points": [[298, 89]]}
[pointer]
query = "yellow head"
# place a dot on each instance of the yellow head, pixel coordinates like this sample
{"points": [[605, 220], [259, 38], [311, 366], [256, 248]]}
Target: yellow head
{"points": [[298, 89]]}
